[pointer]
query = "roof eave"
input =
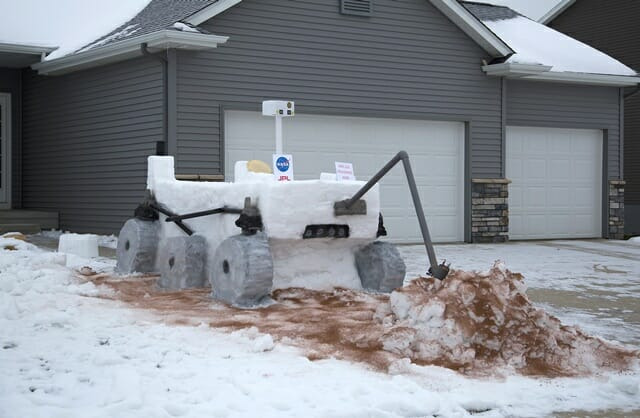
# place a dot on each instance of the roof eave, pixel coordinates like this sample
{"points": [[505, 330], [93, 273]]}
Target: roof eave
{"points": [[556, 11], [211, 11], [129, 48], [538, 72], [473, 27], [25, 49], [515, 70]]}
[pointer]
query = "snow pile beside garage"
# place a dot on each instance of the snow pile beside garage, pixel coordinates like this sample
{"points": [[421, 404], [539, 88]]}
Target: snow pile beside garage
{"points": [[66, 24], [485, 321], [535, 43]]}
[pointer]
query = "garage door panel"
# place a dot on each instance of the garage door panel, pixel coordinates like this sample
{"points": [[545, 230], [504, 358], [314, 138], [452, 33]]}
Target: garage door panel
{"points": [[561, 196], [317, 141], [556, 182]]}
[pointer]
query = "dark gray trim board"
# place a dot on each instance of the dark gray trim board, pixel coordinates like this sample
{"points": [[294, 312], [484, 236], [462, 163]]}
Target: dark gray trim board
{"points": [[467, 183], [605, 183], [10, 82], [172, 105]]}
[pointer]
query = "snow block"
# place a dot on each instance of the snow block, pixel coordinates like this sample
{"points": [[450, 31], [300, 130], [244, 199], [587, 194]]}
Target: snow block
{"points": [[82, 245], [241, 272], [182, 262], [137, 246], [380, 267]]}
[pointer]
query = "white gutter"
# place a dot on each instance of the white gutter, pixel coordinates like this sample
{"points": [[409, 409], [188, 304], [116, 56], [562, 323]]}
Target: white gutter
{"points": [[557, 10], [539, 72], [473, 27], [26, 49], [514, 70], [129, 48], [209, 12]]}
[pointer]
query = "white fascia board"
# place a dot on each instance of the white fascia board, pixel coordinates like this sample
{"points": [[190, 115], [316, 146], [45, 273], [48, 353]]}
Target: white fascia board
{"points": [[209, 12], [473, 27], [540, 72], [508, 69], [128, 48], [590, 79], [556, 11], [26, 49]]}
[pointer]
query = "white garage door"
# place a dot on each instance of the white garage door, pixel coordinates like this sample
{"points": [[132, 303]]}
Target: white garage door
{"points": [[557, 183], [436, 150]]}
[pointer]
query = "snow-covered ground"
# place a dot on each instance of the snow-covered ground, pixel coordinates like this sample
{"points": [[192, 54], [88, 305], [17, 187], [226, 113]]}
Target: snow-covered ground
{"points": [[66, 352]]}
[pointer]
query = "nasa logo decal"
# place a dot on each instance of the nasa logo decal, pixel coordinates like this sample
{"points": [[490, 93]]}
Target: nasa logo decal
{"points": [[283, 164]]}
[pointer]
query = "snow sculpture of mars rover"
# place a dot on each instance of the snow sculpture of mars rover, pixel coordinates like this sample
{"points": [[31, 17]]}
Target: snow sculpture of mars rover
{"points": [[247, 238]]}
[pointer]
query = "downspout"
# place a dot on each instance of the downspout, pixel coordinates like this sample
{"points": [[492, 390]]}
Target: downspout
{"points": [[161, 148]]}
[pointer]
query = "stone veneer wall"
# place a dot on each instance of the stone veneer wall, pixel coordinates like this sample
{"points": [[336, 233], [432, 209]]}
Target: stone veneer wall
{"points": [[616, 209], [490, 210]]}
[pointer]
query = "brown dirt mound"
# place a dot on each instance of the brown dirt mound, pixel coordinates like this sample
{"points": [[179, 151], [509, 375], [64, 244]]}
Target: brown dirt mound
{"points": [[474, 323]]}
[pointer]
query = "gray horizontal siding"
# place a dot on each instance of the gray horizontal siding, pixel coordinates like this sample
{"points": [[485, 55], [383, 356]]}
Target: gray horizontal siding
{"points": [[568, 106], [10, 83], [613, 28], [86, 139], [407, 60], [632, 149]]}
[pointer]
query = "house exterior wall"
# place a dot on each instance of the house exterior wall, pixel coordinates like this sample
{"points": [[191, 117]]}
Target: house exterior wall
{"points": [[86, 137], [615, 31], [10, 83], [551, 105], [405, 61]]}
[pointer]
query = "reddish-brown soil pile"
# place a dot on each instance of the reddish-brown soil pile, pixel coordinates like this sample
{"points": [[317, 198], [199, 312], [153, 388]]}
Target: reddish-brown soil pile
{"points": [[474, 323]]}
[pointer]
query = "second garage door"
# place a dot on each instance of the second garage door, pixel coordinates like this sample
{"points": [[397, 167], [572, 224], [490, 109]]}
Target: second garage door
{"points": [[556, 185], [316, 142]]}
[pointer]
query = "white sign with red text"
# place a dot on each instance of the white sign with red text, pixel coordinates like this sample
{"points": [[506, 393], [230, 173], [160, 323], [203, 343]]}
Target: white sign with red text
{"points": [[344, 172]]}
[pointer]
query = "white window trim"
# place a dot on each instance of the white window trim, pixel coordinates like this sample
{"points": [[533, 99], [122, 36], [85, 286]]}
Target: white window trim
{"points": [[8, 139]]}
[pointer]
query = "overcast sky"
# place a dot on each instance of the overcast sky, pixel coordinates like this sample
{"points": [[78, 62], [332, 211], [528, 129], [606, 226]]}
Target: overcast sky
{"points": [[533, 9]]}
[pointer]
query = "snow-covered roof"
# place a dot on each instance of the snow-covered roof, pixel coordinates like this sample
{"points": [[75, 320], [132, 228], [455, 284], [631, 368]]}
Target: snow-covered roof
{"points": [[66, 24], [157, 15], [538, 45]]}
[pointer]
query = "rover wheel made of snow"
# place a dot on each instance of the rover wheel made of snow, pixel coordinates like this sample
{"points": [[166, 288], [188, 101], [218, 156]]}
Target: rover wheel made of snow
{"points": [[137, 246], [380, 267], [241, 272], [181, 261]]}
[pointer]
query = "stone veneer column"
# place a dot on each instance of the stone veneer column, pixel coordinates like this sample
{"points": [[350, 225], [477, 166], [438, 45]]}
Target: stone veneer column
{"points": [[489, 210], [616, 209]]}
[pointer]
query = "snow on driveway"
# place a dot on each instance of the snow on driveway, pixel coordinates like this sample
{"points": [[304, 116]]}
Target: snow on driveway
{"points": [[66, 353]]}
